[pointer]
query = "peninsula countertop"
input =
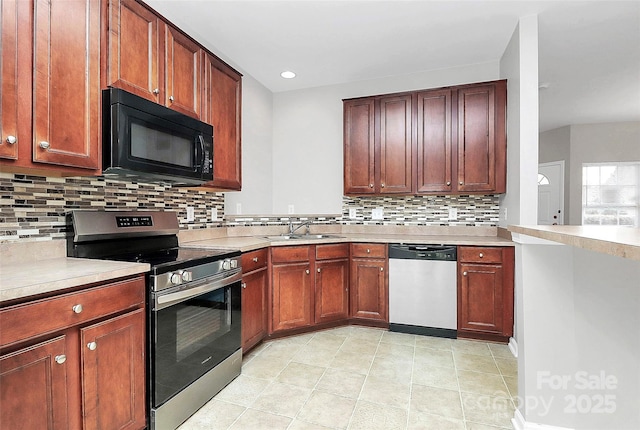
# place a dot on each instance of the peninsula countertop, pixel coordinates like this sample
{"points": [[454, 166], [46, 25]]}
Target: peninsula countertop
{"points": [[613, 240]]}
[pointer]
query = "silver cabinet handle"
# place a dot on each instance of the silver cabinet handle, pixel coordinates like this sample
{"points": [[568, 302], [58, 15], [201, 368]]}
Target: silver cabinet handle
{"points": [[170, 98], [92, 346], [464, 273], [461, 183], [60, 358], [381, 185], [307, 271], [77, 309], [368, 251], [44, 144], [156, 91], [255, 259], [382, 269], [244, 285], [448, 182], [370, 185], [11, 140], [319, 270], [481, 255]]}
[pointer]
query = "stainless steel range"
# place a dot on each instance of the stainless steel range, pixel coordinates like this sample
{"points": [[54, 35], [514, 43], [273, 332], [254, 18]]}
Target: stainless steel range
{"points": [[193, 306]]}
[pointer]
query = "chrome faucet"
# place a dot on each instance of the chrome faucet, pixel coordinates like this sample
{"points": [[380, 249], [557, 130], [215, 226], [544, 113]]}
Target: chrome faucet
{"points": [[293, 229]]}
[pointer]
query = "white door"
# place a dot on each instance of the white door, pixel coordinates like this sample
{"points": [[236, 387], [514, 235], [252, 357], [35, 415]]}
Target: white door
{"points": [[551, 193]]}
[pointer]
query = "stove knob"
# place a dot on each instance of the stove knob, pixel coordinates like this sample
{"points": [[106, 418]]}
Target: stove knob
{"points": [[176, 278], [187, 276], [226, 265]]}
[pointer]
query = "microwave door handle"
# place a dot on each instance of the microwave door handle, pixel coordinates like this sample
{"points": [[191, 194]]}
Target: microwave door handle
{"points": [[201, 140]]}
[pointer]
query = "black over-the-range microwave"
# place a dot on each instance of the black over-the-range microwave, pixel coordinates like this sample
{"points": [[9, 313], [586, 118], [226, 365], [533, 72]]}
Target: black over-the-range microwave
{"points": [[148, 142]]}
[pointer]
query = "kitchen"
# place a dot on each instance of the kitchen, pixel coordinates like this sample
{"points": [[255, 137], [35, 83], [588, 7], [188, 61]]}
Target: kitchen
{"points": [[273, 126]]}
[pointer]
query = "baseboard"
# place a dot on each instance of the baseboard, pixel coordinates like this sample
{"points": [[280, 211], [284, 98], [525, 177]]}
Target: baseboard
{"points": [[513, 346], [519, 423]]}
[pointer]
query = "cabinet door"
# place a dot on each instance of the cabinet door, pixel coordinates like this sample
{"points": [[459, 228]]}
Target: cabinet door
{"points": [[254, 308], [480, 298], [291, 295], [134, 64], [434, 149], [476, 139], [222, 98], [395, 144], [332, 290], [359, 146], [15, 76], [66, 87], [183, 63], [113, 373], [369, 295], [33, 387]]}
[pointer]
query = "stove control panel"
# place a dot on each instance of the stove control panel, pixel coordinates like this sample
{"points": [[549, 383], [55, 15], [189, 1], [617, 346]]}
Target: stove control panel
{"points": [[196, 274]]}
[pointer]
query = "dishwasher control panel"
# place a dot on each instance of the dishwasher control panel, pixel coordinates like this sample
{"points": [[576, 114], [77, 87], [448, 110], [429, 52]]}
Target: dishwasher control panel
{"points": [[423, 252]]}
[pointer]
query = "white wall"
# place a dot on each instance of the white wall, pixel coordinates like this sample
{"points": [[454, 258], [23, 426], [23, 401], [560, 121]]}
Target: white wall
{"points": [[307, 139], [519, 65], [257, 123]]}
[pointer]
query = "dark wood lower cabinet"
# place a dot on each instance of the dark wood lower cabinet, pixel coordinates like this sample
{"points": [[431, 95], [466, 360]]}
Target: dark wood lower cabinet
{"points": [[485, 292], [84, 368], [254, 308], [33, 387], [291, 296], [332, 291], [369, 298]]}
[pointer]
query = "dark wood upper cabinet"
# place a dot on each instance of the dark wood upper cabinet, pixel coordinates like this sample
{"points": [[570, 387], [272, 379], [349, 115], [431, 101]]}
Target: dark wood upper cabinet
{"points": [[222, 99], [434, 148], [448, 141], [134, 45], [359, 146], [183, 78], [396, 144]]}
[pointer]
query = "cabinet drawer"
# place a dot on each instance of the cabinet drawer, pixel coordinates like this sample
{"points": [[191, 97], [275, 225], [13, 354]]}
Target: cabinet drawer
{"points": [[368, 250], [332, 251], [39, 317], [254, 260], [289, 254], [479, 254]]}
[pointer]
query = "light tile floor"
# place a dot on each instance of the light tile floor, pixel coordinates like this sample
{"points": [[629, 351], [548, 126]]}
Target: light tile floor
{"points": [[364, 378]]}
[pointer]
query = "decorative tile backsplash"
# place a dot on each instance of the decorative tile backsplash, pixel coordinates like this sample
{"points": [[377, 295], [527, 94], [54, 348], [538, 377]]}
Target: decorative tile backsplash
{"points": [[468, 210], [34, 207]]}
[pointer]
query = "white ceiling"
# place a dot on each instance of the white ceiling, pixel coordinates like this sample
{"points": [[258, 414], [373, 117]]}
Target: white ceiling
{"points": [[589, 51]]}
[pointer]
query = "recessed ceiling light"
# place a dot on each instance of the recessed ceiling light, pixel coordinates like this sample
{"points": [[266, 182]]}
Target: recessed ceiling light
{"points": [[287, 74]]}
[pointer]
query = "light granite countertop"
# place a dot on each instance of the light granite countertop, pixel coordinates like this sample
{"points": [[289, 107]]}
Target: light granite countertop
{"points": [[249, 243], [26, 279], [619, 241]]}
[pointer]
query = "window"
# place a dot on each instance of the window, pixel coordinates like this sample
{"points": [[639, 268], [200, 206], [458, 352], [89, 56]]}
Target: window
{"points": [[542, 179], [611, 194]]}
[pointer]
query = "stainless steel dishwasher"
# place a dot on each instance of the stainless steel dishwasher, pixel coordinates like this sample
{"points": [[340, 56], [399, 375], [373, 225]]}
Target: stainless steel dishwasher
{"points": [[423, 290]]}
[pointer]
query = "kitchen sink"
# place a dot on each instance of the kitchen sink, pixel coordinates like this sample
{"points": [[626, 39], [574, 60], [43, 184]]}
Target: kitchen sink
{"points": [[302, 237]]}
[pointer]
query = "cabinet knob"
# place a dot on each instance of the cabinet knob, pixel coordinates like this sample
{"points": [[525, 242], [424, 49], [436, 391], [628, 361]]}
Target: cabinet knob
{"points": [[170, 98], [448, 182], [156, 91], [92, 346], [44, 144], [307, 271], [464, 273], [370, 185], [255, 259], [244, 285], [77, 309], [60, 359], [481, 255], [381, 185], [461, 183], [11, 140], [319, 270], [368, 251], [382, 269]]}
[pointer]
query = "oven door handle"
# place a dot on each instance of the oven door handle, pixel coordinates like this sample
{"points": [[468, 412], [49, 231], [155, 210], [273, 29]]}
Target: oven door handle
{"points": [[166, 300]]}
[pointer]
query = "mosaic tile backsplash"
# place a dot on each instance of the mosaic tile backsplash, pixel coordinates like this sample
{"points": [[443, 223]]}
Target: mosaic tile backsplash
{"points": [[34, 207]]}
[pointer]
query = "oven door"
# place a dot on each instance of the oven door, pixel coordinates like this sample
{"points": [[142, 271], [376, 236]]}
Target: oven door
{"points": [[192, 330]]}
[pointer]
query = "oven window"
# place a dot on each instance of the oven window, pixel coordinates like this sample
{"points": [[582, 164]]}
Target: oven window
{"points": [[191, 338], [153, 144]]}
